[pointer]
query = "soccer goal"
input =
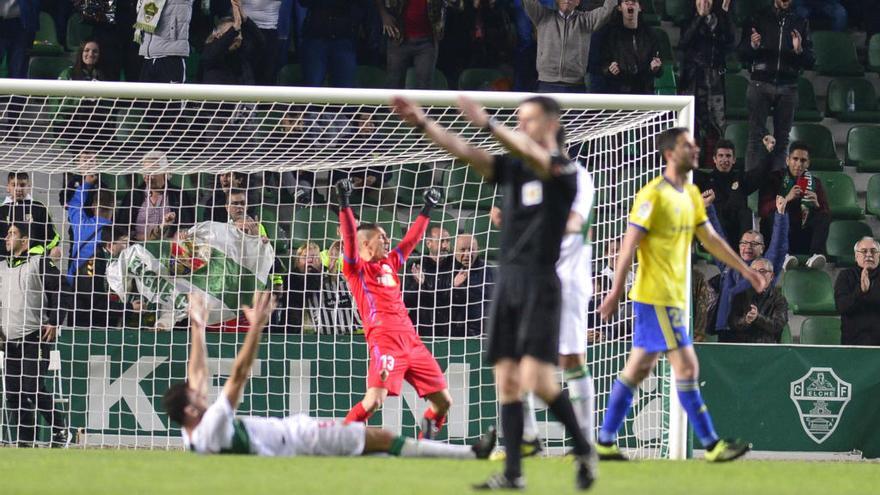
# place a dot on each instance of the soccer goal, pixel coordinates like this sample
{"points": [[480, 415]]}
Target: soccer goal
{"points": [[227, 189]]}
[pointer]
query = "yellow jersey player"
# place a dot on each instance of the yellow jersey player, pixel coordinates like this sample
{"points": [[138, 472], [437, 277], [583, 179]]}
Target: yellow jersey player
{"points": [[666, 215]]}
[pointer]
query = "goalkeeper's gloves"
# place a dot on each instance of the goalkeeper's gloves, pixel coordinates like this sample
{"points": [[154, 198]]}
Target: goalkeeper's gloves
{"points": [[343, 190], [432, 198]]}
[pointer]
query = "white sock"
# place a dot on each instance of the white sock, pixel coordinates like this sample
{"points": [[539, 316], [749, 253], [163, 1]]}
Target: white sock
{"points": [[530, 422], [429, 448], [581, 392]]}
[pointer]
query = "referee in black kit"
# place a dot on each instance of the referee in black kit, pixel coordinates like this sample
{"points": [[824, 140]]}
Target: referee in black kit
{"points": [[538, 184]]}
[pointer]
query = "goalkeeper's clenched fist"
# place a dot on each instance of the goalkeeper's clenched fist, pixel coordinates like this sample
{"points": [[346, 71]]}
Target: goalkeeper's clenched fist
{"points": [[432, 198], [343, 190]]}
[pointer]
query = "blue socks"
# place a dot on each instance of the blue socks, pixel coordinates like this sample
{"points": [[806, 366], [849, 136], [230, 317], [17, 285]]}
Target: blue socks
{"points": [[692, 401], [618, 406]]}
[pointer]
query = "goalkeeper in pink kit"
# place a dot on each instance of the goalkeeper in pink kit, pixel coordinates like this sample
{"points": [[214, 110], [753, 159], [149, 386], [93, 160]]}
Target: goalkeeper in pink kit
{"points": [[395, 349]]}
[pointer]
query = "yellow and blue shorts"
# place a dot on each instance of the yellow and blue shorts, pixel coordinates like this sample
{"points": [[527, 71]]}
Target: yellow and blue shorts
{"points": [[659, 328]]}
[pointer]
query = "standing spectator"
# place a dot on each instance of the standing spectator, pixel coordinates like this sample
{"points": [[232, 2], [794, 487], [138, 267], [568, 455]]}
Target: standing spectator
{"points": [[776, 46], [471, 288], [857, 294], [164, 40], [329, 34], [758, 318], [705, 44], [414, 29], [630, 54], [807, 206], [318, 291], [20, 207], [19, 22], [264, 13], [828, 9], [304, 286], [731, 188], [215, 200], [155, 208], [564, 42], [428, 286], [30, 289], [230, 53]]}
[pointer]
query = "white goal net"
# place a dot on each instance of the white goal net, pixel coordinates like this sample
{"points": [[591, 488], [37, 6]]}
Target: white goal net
{"points": [[157, 190]]}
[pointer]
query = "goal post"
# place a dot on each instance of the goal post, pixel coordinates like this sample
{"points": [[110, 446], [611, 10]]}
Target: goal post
{"points": [[285, 146]]}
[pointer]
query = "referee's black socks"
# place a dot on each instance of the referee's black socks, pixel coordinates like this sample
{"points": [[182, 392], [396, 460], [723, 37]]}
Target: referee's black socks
{"points": [[512, 427], [561, 408]]}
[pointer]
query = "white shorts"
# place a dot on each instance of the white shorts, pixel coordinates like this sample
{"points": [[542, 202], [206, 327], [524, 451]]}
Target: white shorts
{"points": [[573, 321], [325, 437]]}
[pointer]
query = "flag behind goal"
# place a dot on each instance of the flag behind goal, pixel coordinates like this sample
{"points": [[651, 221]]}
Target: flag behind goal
{"points": [[228, 190]]}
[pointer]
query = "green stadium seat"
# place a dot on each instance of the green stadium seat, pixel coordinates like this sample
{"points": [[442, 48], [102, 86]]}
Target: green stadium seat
{"points": [[291, 75], [47, 67], [46, 40], [678, 11], [315, 224], [863, 148], [650, 16], [666, 83], [823, 152], [738, 133], [408, 181], [664, 46], [439, 81], [192, 65], [874, 53], [841, 192], [77, 32], [466, 189], [808, 109], [733, 63], [865, 99], [735, 88], [488, 237], [369, 76], [785, 338], [744, 9], [872, 198], [478, 79], [842, 236], [809, 292], [836, 54], [821, 330]]}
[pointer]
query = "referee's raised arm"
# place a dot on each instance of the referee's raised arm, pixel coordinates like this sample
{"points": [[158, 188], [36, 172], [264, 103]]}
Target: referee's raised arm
{"points": [[412, 114]]}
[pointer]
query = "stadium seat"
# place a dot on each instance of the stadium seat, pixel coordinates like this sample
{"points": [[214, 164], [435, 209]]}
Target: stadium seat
{"points": [[807, 109], [438, 83], [679, 11], [488, 237], [733, 63], [836, 54], [809, 292], [841, 193], [666, 83], [735, 88], [785, 338], [369, 76], [650, 16], [821, 330], [744, 9], [842, 236], [874, 53], [77, 32], [865, 100], [863, 148], [872, 198], [47, 67], [291, 75], [466, 189], [823, 152], [46, 40], [315, 224], [408, 181], [738, 133], [478, 79], [393, 227], [664, 46]]}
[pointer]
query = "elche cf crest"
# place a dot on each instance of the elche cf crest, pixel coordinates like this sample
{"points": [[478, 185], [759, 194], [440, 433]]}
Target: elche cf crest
{"points": [[820, 397]]}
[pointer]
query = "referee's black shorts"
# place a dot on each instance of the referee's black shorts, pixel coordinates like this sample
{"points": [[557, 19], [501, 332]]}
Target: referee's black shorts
{"points": [[525, 315]]}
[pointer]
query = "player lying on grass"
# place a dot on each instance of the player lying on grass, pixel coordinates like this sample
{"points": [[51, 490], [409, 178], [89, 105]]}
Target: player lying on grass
{"points": [[396, 351], [214, 429], [665, 216]]}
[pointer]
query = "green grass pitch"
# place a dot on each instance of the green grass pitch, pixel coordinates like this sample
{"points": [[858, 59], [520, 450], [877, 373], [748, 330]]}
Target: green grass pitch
{"points": [[128, 472]]}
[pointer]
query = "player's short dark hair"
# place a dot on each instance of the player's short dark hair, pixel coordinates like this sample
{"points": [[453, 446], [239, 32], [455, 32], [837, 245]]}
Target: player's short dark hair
{"points": [[17, 176], [368, 227], [551, 108], [175, 400], [725, 144], [798, 145], [667, 139]]}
